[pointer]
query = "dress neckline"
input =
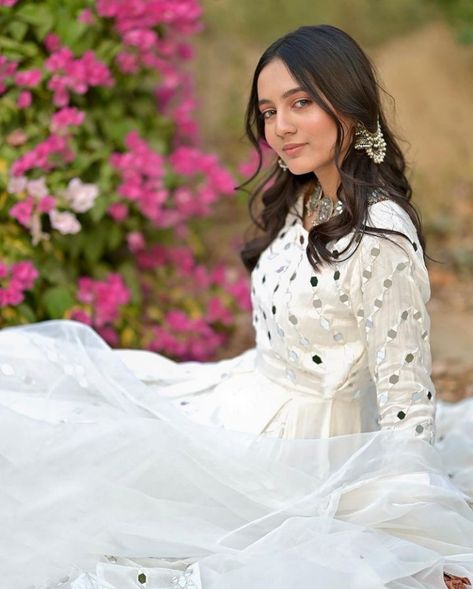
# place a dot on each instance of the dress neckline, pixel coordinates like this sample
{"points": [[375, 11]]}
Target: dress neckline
{"points": [[377, 195]]}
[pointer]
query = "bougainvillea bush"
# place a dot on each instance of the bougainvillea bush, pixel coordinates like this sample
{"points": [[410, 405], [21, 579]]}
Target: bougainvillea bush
{"points": [[104, 192]]}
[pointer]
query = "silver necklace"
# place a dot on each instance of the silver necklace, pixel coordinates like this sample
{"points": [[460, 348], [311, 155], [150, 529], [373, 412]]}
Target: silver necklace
{"points": [[325, 208], [322, 205]]}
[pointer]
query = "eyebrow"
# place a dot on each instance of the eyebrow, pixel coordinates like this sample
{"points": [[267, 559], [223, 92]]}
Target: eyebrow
{"points": [[286, 94]]}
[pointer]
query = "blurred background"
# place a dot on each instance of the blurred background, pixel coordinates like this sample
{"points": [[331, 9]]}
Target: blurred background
{"points": [[423, 51]]}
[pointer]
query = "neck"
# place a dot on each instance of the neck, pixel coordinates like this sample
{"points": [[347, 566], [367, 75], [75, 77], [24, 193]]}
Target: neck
{"points": [[329, 180]]}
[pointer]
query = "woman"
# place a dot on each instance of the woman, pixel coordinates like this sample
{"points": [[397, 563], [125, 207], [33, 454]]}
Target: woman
{"points": [[313, 455]]}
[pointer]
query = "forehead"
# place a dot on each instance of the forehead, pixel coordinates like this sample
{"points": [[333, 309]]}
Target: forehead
{"points": [[274, 79]]}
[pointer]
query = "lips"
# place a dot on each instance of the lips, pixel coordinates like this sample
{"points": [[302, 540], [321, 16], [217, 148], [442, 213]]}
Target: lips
{"points": [[293, 148]]}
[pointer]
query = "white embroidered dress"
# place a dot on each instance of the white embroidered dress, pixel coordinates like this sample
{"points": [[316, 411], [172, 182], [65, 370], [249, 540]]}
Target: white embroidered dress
{"points": [[309, 458], [340, 351]]}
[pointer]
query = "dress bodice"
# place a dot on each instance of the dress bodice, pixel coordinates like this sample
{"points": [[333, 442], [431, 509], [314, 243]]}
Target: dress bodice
{"points": [[353, 336]]}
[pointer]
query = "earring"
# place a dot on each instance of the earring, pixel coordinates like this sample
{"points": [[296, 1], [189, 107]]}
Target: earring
{"points": [[282, 165], [373, 143]]}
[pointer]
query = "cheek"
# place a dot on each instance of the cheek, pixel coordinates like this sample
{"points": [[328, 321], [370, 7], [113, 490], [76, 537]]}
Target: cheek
{"points": [[324, 129], [268, 134]]}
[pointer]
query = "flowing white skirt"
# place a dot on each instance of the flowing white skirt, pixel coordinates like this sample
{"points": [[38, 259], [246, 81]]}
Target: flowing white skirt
{"points": [[105, 483]]}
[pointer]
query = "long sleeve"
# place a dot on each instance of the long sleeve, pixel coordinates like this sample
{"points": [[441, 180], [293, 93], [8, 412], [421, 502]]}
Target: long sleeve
{"points": [[389, 291]]}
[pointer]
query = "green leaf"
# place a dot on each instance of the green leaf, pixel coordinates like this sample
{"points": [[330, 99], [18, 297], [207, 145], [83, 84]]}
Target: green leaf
{"points": [[99, 208], [27, 312], [57, 301], [30, 13], [114, 236], [117, 129], [17, 30], [94, 245], [53, 271], [69, 29], [107, 49], [129, 272]]}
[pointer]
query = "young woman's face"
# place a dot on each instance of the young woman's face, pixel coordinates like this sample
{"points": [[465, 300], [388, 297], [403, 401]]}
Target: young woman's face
{"points": [[296, 128]]}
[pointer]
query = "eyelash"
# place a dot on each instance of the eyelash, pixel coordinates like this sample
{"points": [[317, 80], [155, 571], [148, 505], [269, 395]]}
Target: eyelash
{"points": [[265, 118]]}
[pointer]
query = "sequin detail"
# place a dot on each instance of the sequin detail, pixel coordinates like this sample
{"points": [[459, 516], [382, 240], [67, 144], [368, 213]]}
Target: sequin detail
{"points": [[367, 309], [183, 581]]}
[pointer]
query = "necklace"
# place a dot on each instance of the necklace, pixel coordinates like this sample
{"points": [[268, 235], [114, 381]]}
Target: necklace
{"points": [[325, 208], [322, 205]]}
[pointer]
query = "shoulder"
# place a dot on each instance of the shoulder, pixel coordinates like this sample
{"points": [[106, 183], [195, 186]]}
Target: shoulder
{"points": [[383, 214], [387, 214]]}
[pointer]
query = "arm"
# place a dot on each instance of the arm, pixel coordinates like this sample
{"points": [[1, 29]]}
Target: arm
{"points": [[389, 290]]}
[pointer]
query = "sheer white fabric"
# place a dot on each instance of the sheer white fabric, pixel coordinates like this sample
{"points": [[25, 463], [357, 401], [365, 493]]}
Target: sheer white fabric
{"points": [[312, 455]]}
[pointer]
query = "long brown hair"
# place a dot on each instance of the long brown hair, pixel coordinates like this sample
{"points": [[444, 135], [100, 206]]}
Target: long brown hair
{"points": [[326, 60]]}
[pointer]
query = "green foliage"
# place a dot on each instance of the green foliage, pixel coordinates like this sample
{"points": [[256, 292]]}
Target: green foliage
{"points": [[460, 14], [86, 265]]}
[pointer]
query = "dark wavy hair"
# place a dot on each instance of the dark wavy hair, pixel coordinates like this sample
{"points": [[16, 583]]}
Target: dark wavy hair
{"points": [[324, 59]]}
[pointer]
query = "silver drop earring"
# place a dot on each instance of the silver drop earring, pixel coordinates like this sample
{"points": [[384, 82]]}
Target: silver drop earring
{"points": [[373, 143], [282, 165]]}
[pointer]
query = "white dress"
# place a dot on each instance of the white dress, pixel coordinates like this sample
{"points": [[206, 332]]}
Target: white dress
{"points": [[318, 458]]}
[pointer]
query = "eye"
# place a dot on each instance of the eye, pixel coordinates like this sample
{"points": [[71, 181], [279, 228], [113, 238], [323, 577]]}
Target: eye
{"points": [[267, 114], [305, 102]]}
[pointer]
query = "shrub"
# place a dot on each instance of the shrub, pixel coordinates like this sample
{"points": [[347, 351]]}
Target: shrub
{"points": [[102, 177]]}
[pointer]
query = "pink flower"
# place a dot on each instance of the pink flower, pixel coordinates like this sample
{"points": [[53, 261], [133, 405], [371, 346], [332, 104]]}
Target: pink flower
{"points": [[16, 138], [127, 62], [59, 86], [10, 296], [81, 196], [118, 211], [95, 72], [185, 51], [240, 290], [200, 277], [22, 277], [60, 59], [144, 39], [85, 294], [46, 204], [177, 320], [135, 241], [67, 116], [77, 75], [86, 16], [142, 171], [222, 180], [186, 160], [217, 312], [81, 315], [37, 188], [183, 258], [151, 258], [106, 297], [24, 274], [7, 68], [39, 156], [8, 2], [23, 211], [17, 184], [24, 99], [28, 78], [66, 223], [109, 335], [52, 42]]}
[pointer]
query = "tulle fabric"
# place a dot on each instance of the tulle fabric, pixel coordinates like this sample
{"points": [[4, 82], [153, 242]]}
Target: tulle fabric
{"points": [[104, 479]]}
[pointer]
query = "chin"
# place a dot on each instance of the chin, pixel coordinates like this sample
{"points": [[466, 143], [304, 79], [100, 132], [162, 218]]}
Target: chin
{"points": [[300, 169]]}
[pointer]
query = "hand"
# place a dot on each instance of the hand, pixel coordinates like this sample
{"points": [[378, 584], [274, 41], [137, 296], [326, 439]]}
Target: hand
{"points": [[453, 582]]}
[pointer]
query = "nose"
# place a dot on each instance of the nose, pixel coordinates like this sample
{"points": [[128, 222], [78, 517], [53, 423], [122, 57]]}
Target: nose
{"points": [[284, 124]]}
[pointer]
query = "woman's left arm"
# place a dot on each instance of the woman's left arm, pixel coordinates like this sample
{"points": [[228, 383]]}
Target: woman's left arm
{"points": [[389, 290]]}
